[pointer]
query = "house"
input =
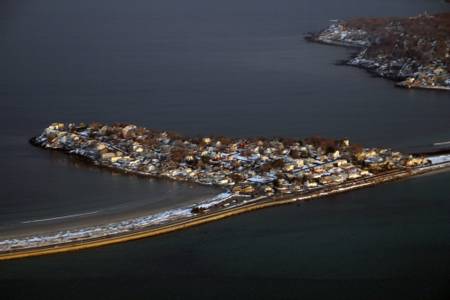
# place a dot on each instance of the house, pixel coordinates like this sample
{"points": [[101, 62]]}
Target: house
{"points": [[340, 162], [108, 155], [325, 180], [310, 184]]}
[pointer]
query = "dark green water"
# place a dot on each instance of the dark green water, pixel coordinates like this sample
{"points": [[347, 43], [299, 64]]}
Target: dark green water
{"points": [[199, 67]]}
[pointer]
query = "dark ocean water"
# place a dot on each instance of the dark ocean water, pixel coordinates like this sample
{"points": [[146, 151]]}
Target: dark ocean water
{"points": [[221, 67]]}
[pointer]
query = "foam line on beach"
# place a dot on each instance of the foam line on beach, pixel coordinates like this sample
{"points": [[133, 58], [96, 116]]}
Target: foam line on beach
{"points": [[441, 143], [60, 217]]}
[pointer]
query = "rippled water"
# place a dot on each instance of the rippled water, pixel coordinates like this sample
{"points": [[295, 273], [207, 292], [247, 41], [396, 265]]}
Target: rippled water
{"points": [[238, 68]]}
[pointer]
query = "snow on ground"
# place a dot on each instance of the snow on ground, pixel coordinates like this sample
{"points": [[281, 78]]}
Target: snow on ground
{"points": [[262, 179], [108, 229], [439, 159], [216, 200]]}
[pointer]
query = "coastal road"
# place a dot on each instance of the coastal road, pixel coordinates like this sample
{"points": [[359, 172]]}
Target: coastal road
{"points": [[440, 163], [257, 203]]}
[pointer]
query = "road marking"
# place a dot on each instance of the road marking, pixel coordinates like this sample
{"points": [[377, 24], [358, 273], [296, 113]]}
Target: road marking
{"points": [[60, 217]]}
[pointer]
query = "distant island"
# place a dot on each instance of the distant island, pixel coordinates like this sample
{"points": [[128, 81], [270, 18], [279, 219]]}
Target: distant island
{"points": [[413, 51], [253, 172]]}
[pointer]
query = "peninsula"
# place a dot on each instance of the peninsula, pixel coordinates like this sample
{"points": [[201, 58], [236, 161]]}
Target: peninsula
{"points": [[414, 51], [253, 172]]}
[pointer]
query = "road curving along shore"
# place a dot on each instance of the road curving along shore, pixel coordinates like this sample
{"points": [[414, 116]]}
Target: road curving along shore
{"points": [[217, 215], [254, 174]]}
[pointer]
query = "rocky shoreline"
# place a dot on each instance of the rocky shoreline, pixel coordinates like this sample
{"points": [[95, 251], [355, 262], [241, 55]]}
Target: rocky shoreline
{"points": [[414, 52]]}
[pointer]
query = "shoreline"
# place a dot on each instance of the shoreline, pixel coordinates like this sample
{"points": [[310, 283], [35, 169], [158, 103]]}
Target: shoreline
{"points": [[401, 84], [252, 174], [398, 81], [122, 171], [386, 47], [262, 202]]}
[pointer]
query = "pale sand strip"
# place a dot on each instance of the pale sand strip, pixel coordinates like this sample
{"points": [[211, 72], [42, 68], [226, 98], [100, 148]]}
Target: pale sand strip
{"points": [[179, 225]]}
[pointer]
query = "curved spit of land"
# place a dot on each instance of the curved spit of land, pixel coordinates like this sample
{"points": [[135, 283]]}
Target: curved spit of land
{"points": [[413, 51], [254, 173]]}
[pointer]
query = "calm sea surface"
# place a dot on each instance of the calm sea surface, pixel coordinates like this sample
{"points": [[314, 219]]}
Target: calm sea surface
{"points": [[216, 67]]}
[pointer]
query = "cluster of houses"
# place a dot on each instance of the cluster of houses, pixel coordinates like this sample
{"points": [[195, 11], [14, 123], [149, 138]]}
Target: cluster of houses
{"points": [[395, 49], [244, 166], [250, 169], [433, 75]]}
